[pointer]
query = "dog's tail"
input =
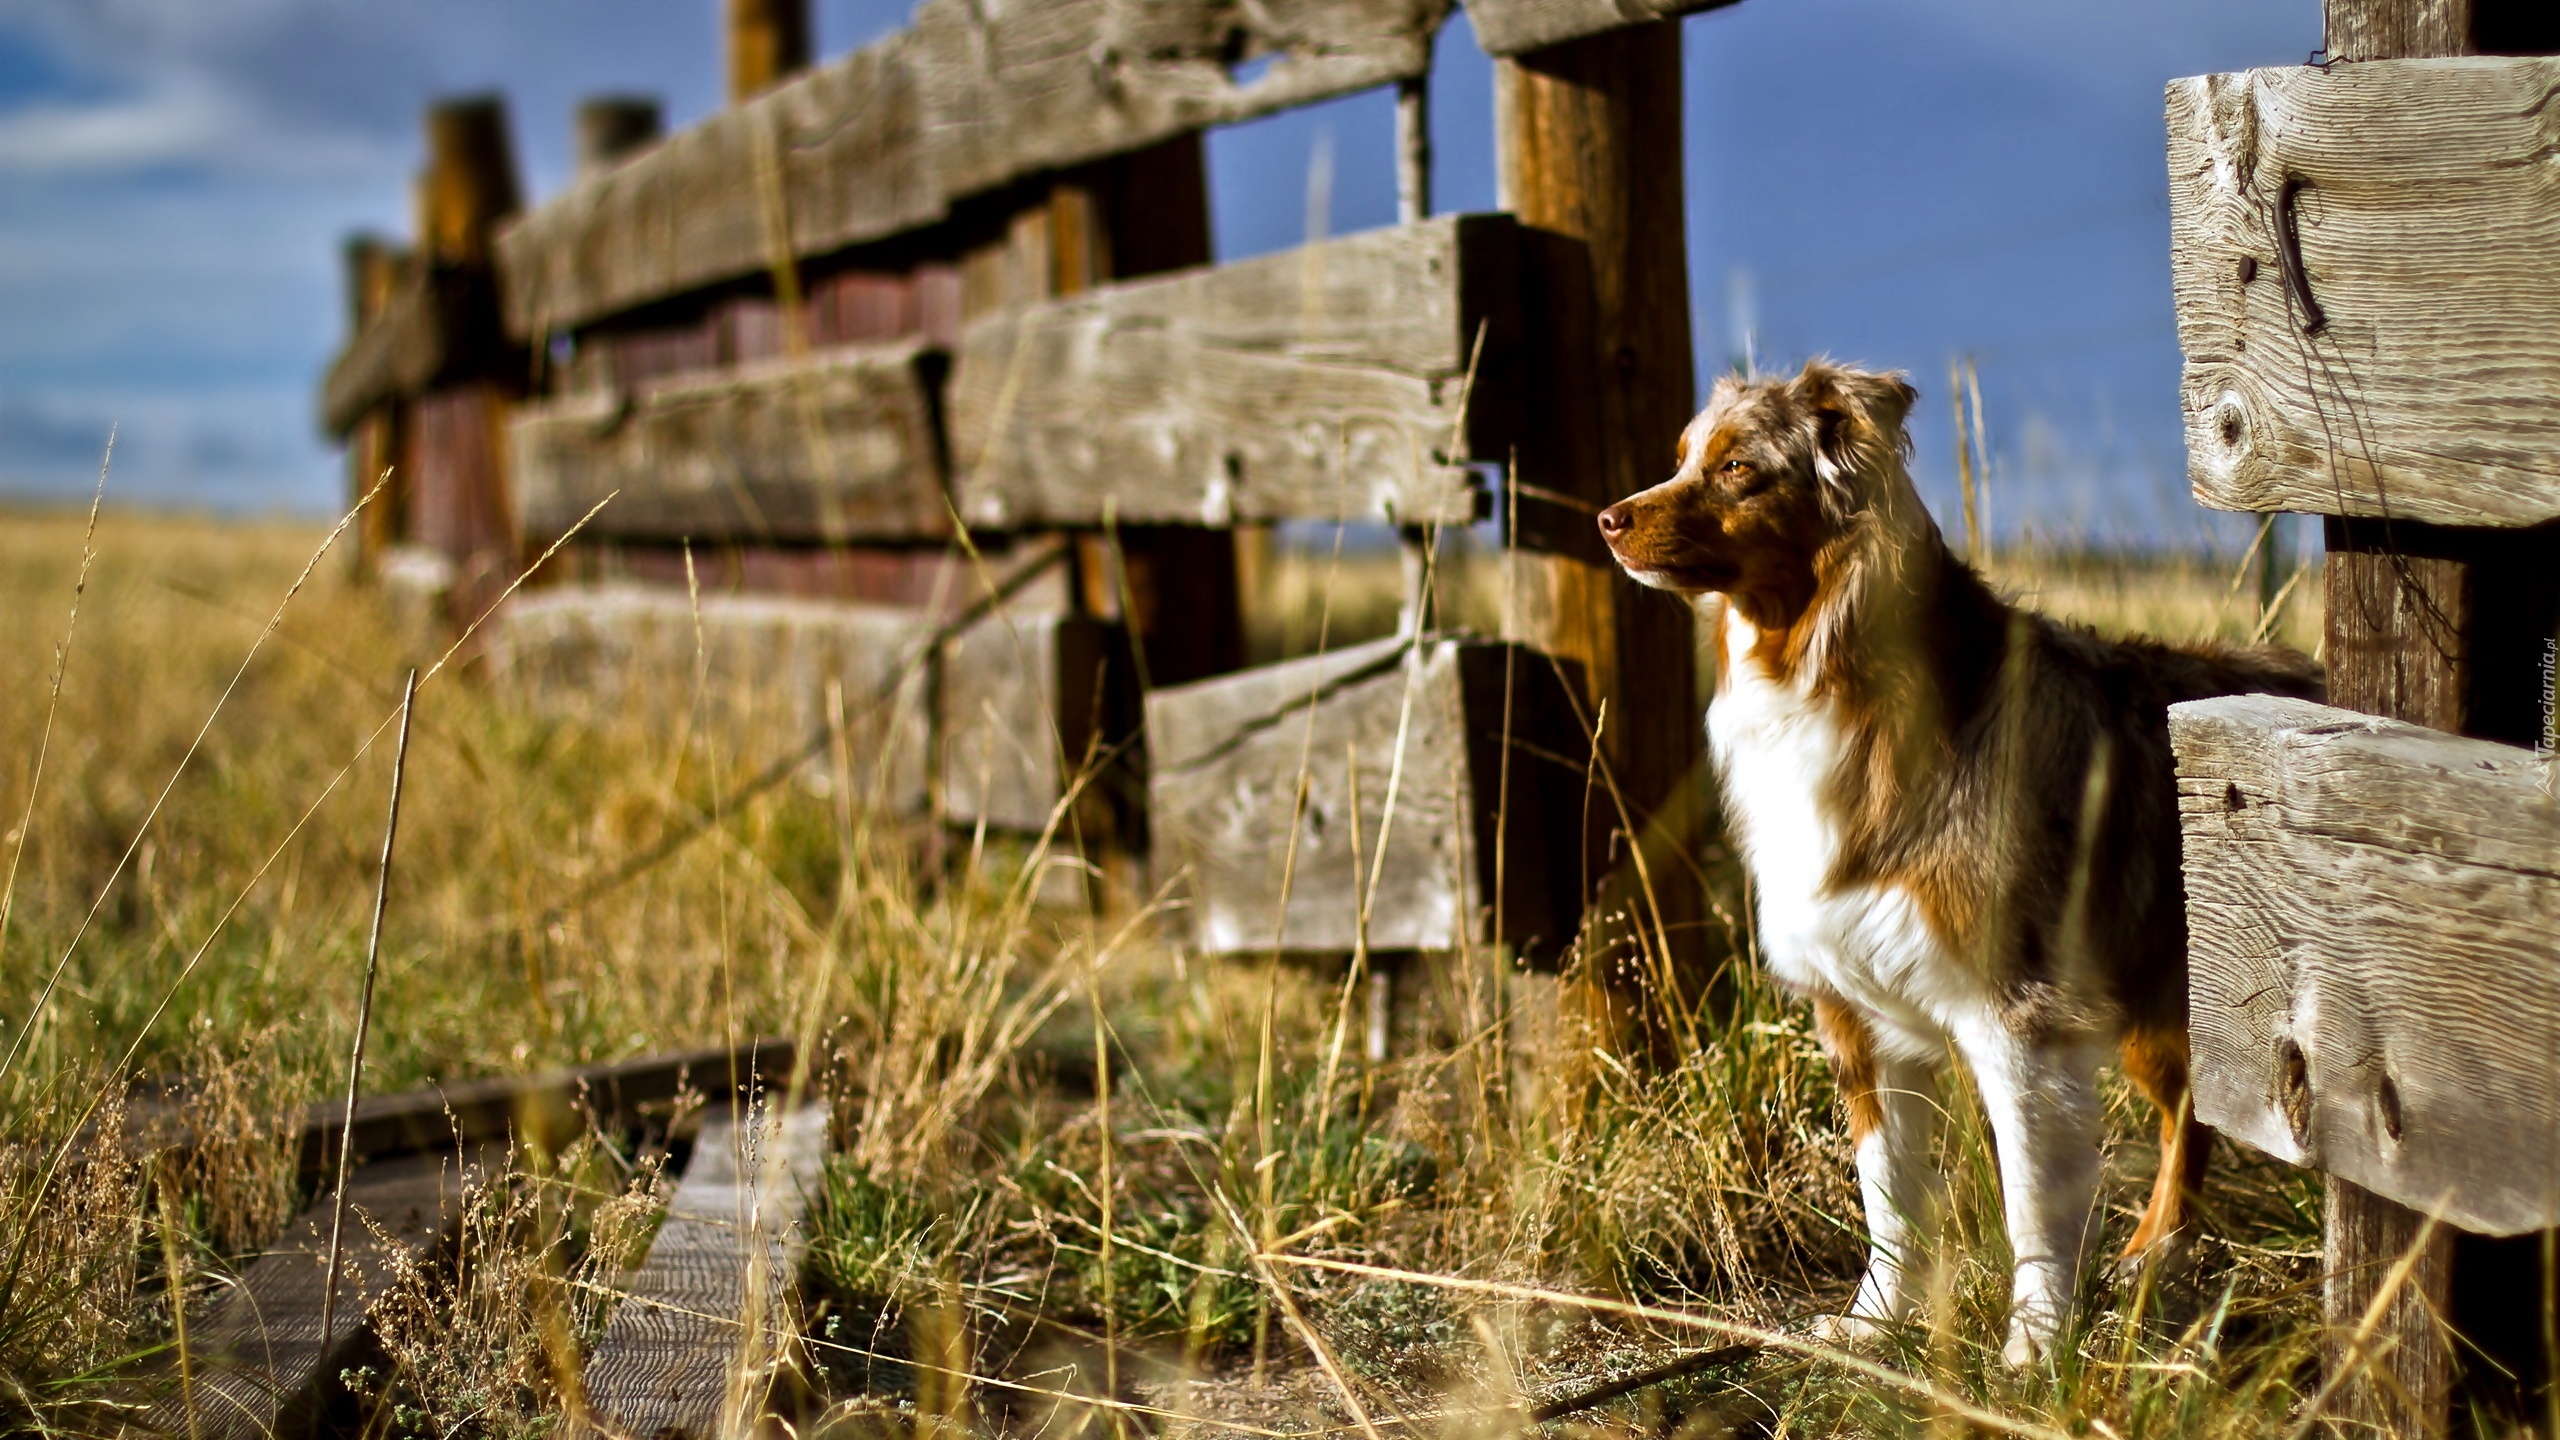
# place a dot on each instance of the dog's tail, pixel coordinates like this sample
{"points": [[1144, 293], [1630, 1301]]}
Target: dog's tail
{"points": [[2201, 670]]}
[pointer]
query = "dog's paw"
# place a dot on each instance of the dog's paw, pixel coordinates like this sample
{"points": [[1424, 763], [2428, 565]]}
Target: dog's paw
{"points": [[2025, 1348], [2166, 1260]]}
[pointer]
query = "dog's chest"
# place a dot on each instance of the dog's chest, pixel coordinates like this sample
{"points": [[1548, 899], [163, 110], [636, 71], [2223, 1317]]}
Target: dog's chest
{"points": [[1777, 749]]}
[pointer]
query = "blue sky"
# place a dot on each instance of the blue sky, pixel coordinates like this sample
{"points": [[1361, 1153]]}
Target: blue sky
{"points": [[1894, 181]]}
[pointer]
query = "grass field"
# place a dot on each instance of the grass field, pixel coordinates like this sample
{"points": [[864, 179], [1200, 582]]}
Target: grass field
{"points": [[1071, 1151]]}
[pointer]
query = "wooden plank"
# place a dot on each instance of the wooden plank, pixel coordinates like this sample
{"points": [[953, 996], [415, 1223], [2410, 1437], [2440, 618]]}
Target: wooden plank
{"points": [[754, 683], [262, 1368], [839, 445], [2420, 196], [974, 97], [1511, 27], [2373, 986], [1321, 383], [939, 583], [1225, 758], [541, 1108], [544, 1109], [718, 1292], [1031, 85], [1025, 696]]}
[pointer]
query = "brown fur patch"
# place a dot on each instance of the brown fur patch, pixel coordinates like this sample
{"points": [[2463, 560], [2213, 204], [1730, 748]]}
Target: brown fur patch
{"points": [[1853, 1063], [2156, 1062]]}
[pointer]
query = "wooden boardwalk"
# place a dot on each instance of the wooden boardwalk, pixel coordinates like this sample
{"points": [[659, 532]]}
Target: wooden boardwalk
{"points": [[261, 1366], [675, 1358]]}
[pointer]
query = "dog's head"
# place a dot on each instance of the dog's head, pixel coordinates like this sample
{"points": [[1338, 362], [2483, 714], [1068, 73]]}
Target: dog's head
{"points": [[1772, 473]]}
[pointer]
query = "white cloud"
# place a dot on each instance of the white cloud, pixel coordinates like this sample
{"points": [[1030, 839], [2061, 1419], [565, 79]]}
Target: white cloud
{"points": [[177, 123]]}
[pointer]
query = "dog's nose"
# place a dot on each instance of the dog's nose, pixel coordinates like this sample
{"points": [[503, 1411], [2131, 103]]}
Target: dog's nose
{"points": [[1615, 520]]}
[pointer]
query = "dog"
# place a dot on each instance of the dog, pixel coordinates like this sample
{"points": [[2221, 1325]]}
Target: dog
{"points": [[1959, 817]]}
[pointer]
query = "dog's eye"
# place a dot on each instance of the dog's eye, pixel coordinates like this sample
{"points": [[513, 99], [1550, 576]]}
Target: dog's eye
{"points": [[1735, 468]]}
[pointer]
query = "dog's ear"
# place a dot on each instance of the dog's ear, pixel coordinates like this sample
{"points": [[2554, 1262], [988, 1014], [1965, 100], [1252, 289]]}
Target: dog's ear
{"points": [[1858, 418]]}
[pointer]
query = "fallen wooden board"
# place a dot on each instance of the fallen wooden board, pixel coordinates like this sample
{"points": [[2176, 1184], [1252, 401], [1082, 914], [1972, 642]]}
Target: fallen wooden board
{"points": [[719, 1289], [1322, 383], [1224, 761], [975, 96], [547, 1109], [1025, 698], [745, 674], [441, 325], [2420, 192], [261, 1366], [839, 445], [1511, 27], [2374, 979]]}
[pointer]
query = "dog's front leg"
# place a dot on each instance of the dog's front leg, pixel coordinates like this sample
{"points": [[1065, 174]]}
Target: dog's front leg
{"points": [[2042, 1101], [1893, 1119]]}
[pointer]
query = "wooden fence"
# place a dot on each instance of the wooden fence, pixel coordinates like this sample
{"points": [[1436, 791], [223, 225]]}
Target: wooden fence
{"points": [[756, 381], [2363, 254], [959, 281]]}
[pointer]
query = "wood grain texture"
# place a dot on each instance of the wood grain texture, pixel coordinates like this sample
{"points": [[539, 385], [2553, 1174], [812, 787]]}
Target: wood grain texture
{"points": [[722, 1275], [840, 445], [973, 97], [2428, 218], [2372, 980], [1320, 383], [2395, 29], [1225, 758], [262, 1367], [754, 686], [1025, 697], [2403, 1386], [1588, 135], [1511, 27], [2442, 626]]}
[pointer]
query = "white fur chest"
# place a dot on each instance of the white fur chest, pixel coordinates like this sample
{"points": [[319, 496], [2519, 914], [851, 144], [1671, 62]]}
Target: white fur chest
{"points": [[1777, 747]]}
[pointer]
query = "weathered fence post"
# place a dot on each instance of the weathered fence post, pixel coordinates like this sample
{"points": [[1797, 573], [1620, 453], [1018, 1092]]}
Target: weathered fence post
{"points": [[614, 127], [374, 272], [768, 42], [1153, 208], [2443, 626], [457, 488], [1589, 137]]}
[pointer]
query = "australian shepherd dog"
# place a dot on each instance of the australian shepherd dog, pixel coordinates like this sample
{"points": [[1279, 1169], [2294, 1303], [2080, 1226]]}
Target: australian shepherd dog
{"points": [[1959, 817]]}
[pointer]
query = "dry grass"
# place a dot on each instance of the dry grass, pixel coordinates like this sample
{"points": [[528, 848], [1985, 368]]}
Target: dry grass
{"points": [[1532, 1218]]}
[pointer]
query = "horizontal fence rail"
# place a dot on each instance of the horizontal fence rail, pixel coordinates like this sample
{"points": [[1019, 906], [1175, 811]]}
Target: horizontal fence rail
{"points": [[2362, 259], [1348, 378], [835, 446], [971, 98], [2374, 990]]}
